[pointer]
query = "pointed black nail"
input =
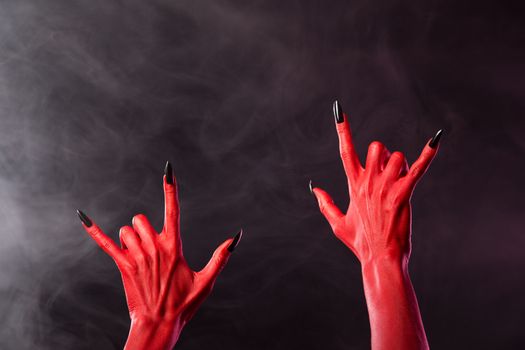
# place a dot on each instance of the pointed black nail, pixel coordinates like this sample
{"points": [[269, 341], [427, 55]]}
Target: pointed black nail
{"points": [[311, 187], [168, 171], [235, 241], [435, 140], [338, 112], [84, 218]]}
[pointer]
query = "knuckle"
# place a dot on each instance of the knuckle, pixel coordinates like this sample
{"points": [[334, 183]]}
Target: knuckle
{"points": [[125, 231], [122, 231], [376, 146], [138, 218], [398, 155], [141, 259]]}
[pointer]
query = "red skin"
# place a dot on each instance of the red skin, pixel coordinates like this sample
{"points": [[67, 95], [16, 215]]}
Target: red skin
{"points": [[162, 292], [377, 228]]}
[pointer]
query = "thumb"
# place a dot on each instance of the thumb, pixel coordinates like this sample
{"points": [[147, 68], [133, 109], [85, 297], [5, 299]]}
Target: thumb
{"points": [[219, 259], [326, 204]]}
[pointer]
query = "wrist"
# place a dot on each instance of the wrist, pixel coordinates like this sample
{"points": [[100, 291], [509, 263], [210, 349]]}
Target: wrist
{"points": [[155, 321], [385, 262], [384, 273], [155, 333], [392, 304]]}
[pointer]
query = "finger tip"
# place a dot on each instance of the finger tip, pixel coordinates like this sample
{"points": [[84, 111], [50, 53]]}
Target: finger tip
{"points": [[337, 110], [434, 141], [168, 173], [84, 219], [235, 241]]}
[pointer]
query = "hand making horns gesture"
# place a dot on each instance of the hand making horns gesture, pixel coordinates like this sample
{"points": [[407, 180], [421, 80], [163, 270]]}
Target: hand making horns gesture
{"points": [[377, 228], [162, 292]]}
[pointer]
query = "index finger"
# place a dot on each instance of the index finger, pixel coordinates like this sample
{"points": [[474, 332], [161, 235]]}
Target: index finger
{"points": [[171, 203], [349, 156], [420, 166], [104, 242]]}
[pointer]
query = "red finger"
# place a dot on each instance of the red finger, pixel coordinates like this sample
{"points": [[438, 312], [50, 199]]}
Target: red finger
{"points": [[420, 166], [385, 157], [404, 168], [220, 257], [394, 167], [349, 156], [143, 228], [171, 204], [104, 242], [130, 239], [375, 157], [326, 204]]}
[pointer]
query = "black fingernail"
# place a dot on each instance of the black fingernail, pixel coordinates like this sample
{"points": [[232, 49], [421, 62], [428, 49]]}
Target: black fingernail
{"points": [[435, 140], [310, 187], [338, 112], [235, 241], [168, 171], [84, 218]]}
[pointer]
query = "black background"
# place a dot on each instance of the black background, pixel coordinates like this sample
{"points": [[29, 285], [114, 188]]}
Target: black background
{"points": [[96, 95]]}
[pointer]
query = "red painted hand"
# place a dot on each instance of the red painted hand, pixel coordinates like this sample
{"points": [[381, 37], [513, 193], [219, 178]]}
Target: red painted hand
{"points": [[377, 228], [162, 292], [377, 222]]}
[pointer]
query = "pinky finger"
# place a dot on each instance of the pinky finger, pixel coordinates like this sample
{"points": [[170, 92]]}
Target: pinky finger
{"points": [[104, 242], [420, 166]]}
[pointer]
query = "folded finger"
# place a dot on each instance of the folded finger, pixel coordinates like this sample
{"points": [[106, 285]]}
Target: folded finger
{"points": [[145, 230], [375, 157], [394, 166], [130, 239]]}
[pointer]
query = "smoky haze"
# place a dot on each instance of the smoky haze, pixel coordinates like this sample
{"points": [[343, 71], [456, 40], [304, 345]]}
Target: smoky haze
{"points": [[96, 95]]}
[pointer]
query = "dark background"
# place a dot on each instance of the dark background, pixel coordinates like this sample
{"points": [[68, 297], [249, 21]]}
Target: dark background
{"points": [[95, 96]]}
